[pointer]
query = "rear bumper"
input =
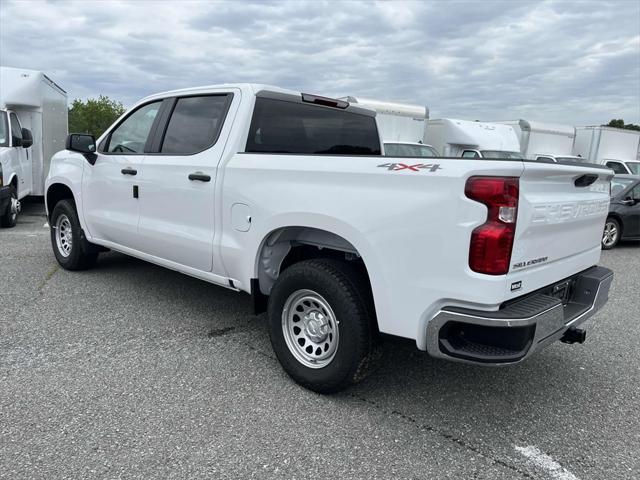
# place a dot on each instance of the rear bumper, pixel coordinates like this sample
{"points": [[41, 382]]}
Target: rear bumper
{"points": [[5, 199], [522, 326]]}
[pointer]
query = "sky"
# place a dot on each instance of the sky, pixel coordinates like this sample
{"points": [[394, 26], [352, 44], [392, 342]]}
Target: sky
{"points": [[573, 62]]}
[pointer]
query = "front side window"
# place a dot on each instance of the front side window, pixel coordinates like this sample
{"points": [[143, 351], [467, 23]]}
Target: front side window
{"points": [[4, 130], [470, 154], [545, 159], [195, 124], [16, 131], [280, 126], [131, 135]]}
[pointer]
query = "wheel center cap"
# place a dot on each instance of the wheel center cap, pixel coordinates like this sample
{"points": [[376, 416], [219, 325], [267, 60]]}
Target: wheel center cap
{"points": [[316, 327]]}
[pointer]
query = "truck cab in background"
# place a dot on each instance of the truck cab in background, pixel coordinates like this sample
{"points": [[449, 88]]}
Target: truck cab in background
{"points": [[33, 126], [15, 166], [624, 167], [550, 158]]}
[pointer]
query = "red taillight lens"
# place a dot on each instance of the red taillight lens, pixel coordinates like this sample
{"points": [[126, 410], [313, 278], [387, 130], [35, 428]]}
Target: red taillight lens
{"points": [[492, 242]]}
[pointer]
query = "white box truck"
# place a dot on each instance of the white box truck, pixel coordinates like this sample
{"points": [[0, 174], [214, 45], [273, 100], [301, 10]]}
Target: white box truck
{"points": [[469, 139], [401, 126], [545, 142], [617, 148], [33, 126]]}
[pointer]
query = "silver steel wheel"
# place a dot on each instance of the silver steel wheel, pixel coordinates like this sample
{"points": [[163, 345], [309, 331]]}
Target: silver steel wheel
{"points": [[610, 235], [64, 235], [310, 328]]}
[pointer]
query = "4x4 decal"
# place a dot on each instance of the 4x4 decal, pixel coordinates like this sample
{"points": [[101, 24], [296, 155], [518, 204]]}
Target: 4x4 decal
{"points": [[432, 167]]}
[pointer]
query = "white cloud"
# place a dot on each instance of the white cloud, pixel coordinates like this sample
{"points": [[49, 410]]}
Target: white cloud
{"points": [[574, 62]]}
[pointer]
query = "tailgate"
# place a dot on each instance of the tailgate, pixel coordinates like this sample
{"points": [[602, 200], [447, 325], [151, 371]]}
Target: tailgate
{"points": [[561, 214]]}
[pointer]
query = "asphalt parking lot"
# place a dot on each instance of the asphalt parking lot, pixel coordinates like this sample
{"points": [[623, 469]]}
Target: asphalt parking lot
{"points": [[130, 370]]}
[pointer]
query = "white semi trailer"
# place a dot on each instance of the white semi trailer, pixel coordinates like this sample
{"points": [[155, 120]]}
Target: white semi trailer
{"points": [[542, 138], [615, 147], [30, 100], [469, 139]]}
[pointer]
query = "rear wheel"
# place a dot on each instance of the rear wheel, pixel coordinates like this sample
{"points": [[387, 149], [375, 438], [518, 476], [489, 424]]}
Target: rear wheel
{"points": [[70, 247], [10, 217], [322, 325], [611, 234]]}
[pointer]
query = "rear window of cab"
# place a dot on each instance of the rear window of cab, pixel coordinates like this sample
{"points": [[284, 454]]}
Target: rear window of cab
{"points": [[280, 126]]}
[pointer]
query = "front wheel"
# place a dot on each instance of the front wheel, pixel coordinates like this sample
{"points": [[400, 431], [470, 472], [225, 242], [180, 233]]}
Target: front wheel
{"points": [[10, 217], [322, 325], [70, 247], [611, 234]]}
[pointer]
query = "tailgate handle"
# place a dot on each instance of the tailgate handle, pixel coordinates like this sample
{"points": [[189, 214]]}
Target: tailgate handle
{"points": [[585, 180]]}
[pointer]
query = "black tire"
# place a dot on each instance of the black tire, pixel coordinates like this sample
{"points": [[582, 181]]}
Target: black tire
{"points": [[81, 254], [10, 218], [346, 291], [608, 240]]}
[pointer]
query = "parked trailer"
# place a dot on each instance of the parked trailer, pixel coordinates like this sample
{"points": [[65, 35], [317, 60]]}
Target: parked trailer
{"points": [[464, 138], [597, 144], [40, 105], [541, 138], [397, 122]]}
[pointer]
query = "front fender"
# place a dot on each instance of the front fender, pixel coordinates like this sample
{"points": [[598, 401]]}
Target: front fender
{"points": [[67, 169]]}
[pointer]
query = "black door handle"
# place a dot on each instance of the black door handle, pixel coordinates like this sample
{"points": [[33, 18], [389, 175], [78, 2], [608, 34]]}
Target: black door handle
{"points": [[128, 171], [199, 176]]}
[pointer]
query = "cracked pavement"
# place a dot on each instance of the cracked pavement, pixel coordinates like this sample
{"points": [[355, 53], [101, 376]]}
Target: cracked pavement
{"points": [[133, 371]]}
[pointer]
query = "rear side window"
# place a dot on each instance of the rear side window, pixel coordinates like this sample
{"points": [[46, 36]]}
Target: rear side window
{"points": [[195, 124], [617, 167], [279, 126]]}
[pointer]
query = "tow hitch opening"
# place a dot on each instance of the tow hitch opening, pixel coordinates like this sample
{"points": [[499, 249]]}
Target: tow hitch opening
{"points": [[574, 335]]}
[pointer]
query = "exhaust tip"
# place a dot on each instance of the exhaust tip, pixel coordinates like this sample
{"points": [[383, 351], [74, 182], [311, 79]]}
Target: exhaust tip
{"points": [[574, 335]]}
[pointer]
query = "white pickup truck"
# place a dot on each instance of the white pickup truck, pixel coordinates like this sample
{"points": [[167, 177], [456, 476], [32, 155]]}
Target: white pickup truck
{"points": [[285, 196]]}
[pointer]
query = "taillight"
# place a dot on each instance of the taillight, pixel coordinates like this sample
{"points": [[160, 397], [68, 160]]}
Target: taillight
{"points": [[492, 242]]}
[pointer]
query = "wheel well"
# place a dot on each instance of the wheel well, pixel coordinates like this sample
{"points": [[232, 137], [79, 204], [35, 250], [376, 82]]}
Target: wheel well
{"points": [[286, 246], [57, 192], [618, 219]]}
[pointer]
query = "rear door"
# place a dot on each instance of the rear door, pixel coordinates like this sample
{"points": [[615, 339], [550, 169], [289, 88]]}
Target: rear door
{"points": [[631, 213], [561, 214], [177, 190]]}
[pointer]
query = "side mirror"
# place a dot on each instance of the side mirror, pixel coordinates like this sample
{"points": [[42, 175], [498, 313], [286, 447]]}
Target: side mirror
{"points": [[630, 201], [83, 143], [27, 138]]}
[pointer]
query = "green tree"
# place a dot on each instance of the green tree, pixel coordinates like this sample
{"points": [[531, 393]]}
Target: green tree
{"points": [[93, 116], [619, 123]]}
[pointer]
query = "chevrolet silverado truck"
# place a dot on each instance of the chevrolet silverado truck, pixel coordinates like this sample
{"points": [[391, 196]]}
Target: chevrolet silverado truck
{"points": [[286, 196]]}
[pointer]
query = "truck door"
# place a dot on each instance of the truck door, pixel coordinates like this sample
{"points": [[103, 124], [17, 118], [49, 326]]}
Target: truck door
{"points": [[631, 213], [177, 188], [110, 209], [21, 157]]}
